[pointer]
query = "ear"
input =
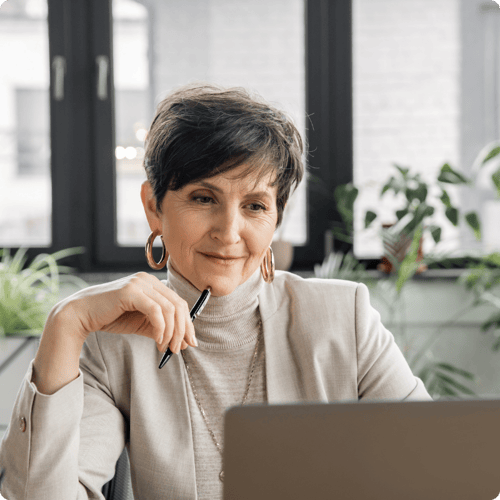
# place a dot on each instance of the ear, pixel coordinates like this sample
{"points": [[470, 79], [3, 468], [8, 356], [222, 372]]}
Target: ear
{"points": [[149, 203]]}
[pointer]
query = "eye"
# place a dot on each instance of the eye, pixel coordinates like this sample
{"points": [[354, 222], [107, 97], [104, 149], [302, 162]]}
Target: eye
{"points": [[259, 207], [202, 198]]}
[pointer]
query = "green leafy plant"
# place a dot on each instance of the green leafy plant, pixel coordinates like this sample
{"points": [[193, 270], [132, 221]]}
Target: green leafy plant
{"points": [[28, 293], [402, 239], [441, 379], [417, 209], [481, 276], [489, 157], [342, 266], [345, 196], [483, 281]]}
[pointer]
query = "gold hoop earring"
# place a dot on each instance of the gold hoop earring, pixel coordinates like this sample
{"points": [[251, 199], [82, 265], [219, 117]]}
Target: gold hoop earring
{"points": [[149, 251], [267, 267]]}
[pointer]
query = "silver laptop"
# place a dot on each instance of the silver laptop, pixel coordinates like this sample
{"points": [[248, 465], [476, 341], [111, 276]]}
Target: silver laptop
{"points": [[446, 450]]}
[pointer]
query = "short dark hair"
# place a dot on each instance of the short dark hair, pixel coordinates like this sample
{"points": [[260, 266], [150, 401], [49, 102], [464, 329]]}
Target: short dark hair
{"points": [[203, 130]]}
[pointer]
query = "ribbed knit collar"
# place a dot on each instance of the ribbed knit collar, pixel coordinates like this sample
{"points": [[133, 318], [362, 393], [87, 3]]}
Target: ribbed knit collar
{"points": [[226, 322]]}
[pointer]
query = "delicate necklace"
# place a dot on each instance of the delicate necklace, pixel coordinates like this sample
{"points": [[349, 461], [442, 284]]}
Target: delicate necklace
{"points": [[203, 414]]}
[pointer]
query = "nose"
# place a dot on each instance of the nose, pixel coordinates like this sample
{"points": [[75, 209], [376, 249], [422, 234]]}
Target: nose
{"points": [[227, 225]]}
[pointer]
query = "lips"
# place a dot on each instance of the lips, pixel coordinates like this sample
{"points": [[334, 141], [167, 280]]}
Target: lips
{"points": [[222, 257]]}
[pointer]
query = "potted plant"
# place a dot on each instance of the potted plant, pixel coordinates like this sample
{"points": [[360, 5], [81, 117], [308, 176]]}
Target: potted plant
{"points": [[28, 293], [481, 275], [441, 379], [416, 214]]}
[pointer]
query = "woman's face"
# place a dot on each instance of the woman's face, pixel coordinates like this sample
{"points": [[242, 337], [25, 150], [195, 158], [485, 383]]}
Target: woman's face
{"points": [[220, 215]]}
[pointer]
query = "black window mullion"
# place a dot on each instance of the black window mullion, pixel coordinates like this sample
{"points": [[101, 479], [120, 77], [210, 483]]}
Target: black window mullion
{"points": [[74, 174], [109, 255], [66, 142], [329, 111], [60, 137], [104, 220], [69, 145]]}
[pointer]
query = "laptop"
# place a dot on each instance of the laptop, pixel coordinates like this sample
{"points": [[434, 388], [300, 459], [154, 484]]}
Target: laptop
{"points": [[415, 450]]}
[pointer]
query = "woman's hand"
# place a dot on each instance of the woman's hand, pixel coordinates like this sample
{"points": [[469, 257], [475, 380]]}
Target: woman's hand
{"points": [[139, 304]]}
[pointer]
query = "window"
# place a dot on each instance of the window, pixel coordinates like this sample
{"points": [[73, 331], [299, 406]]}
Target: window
{"points": [[160, 45], [108, 64], [426, 91], [25, 187]]}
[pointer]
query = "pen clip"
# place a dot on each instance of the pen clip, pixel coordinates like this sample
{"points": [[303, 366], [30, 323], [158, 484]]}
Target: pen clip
{"points": [[203, 304], [200, 303]]}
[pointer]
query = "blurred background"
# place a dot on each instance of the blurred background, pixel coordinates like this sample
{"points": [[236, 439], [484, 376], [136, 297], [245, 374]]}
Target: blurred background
{"points": [[154, 47], [369, 83], [78, 90]]}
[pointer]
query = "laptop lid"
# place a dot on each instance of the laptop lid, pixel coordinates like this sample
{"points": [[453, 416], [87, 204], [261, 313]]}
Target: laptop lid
{"points": [[375, 450]]}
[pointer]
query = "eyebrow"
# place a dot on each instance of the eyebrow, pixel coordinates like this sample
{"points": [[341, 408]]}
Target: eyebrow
{"points": [[264, 194]]}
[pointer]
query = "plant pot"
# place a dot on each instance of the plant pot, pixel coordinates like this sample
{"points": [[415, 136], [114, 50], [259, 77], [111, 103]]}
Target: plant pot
{"points": [[398, 249], [283, 254]]}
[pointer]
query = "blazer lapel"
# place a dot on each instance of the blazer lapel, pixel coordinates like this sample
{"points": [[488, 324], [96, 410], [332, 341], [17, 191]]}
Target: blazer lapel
{"points": [[282, 366], [179, 453]]}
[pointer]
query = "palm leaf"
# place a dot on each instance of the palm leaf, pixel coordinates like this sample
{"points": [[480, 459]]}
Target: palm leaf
{"points": [[454, 369]]}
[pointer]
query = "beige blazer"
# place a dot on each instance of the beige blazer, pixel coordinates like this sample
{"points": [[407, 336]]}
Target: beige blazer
{"points": [[323, 342]]}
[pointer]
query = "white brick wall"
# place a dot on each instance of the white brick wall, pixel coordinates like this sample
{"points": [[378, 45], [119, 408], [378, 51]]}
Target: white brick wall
{"points": [[258, 45], [406, 78]]}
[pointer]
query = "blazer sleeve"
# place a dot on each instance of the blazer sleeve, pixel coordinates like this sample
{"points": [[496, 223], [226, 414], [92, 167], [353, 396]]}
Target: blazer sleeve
{"points": [[63, 446], [383, 372]]}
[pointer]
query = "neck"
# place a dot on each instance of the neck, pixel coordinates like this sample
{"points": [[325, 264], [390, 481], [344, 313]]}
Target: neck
{"points": [[225, 322]]}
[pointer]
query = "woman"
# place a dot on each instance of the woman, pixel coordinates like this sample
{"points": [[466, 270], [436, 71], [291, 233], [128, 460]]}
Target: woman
{"points": [[220, 166]]}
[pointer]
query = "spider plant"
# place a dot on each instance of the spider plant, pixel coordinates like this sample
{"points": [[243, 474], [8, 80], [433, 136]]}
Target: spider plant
{"points": [[28, 293]]}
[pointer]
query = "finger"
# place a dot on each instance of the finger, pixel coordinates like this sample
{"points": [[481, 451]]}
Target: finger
{"points": [[184, 345], [190, 335], [179, 328], [153, 311], [183, 326], [167, 311]]}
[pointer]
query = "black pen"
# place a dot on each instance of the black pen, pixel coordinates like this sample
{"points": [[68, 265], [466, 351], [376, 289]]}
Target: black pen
{"points": [[197, 308]]}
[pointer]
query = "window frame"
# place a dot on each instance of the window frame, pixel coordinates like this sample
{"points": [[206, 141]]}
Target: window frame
{"points": [[82, 134]]}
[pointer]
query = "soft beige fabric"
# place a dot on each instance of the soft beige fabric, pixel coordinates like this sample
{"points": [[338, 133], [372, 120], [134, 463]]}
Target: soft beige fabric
{"points": [[227, 332], [221, 379], [323, 342]]}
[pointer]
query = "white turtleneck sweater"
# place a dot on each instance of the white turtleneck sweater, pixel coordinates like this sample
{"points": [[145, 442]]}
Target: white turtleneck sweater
{"points": [[227, 331]]}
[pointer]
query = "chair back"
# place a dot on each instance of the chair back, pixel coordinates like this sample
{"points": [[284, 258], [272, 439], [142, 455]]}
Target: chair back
{"points": [[120, 487]]}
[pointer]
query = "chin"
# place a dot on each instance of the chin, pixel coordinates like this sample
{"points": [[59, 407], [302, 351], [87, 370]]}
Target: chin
{"points": [[220, 290], [220, 285]]}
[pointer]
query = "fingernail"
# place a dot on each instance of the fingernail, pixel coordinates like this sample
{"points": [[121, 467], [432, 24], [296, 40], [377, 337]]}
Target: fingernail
{"points": [[195, 342]]}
